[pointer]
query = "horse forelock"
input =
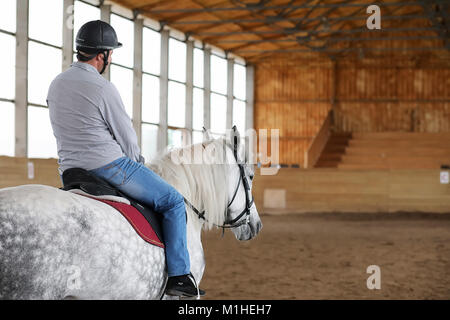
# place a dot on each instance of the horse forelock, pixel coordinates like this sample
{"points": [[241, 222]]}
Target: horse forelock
{"points": [[204, 185]]}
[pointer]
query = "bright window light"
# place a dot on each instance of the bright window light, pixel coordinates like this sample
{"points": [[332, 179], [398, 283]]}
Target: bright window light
{"points": [[176, 104], [218, 113], [7, 66], [83, 13], [174, 138], [41, 141], [7, 133], [8, 15], [150, 99], [149, 140], [239, 82], [151, 51], [41, 72], [218, 74], [45, 21], [197, 113], [239, 115], [198, 68], [177, 60], [197, 137], [122, 78], [125, 33]]}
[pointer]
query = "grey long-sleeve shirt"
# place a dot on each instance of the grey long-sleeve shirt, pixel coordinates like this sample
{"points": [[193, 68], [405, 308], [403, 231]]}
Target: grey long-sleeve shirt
{"points": [[89, 120]]}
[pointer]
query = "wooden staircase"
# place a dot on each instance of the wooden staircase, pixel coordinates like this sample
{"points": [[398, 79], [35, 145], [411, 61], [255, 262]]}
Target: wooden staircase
{"points": [[386, 150], [334, 150]]}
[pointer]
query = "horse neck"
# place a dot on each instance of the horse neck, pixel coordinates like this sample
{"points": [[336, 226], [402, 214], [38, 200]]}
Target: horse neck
{"points": [[204, 186]]}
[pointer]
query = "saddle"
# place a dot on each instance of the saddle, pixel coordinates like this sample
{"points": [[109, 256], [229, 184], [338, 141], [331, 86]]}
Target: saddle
{"points": [[143, 219]]}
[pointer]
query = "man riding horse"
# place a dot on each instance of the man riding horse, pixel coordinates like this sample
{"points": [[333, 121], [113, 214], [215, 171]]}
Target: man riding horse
{"points": [[94, 132]]}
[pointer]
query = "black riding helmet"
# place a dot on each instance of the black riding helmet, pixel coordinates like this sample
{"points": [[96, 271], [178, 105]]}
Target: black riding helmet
{"points": [[96, 37]]}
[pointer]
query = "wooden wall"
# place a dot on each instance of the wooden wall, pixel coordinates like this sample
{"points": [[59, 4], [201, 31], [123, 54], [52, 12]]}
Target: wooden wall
{"points": [[392, 98], [294, 98], [18, 171], [334, 190], [367, 95]]}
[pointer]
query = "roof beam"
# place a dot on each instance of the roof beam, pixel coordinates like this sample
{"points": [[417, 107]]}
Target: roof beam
{"points": [[293, 32], [259, 7], [272, 19], [439, 19], [331, 40], [331, 50]]}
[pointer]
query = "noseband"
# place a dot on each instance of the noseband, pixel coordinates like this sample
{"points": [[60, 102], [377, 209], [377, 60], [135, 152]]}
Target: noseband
{"points": [[236, 222]]}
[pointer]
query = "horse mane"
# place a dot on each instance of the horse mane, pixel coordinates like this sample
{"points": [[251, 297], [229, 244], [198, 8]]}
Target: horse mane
{"points": [[204, 185]]}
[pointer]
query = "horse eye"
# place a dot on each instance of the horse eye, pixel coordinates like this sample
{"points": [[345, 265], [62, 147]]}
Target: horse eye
{"points": [[251, 177]]}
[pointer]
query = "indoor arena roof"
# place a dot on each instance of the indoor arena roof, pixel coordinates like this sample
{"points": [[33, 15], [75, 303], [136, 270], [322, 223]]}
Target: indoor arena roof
{"points": [[266, 28]]}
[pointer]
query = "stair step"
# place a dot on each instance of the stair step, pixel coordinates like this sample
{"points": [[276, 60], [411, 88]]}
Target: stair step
{"points": [[326, 164], [335, 156]]}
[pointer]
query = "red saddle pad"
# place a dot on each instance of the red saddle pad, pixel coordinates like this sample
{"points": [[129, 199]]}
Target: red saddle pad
{"points": [[137, 220]]}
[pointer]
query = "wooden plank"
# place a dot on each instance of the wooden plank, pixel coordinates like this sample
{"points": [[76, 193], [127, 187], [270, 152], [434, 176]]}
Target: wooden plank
{"points": [[334, 190]]}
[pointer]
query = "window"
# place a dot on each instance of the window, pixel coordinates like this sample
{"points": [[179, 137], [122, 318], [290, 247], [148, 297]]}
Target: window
{"points": [[46, 21], [149, 141], [197, 112], [177, 60], [218, 113], [83, 13], [176, 104], [41, 141], [239, 92], [125, 33], [174, 138], [151, 51], [8, 15], [218, 75], [7, 66], [239, 115], [150, 98], [122, 78], [197, 137], [198, 68], [239, 81], [41, 71], [151, 65], [7, 133]]}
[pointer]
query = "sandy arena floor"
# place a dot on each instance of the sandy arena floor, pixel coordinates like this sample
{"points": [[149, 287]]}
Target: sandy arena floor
{"points": [[325, 256]]}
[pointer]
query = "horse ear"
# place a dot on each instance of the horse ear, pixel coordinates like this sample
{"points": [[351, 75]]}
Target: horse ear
{"points": [[235, 138], [206, 135]]}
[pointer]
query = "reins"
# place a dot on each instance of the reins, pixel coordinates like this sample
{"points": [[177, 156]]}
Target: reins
{"points": [[236, 222]]}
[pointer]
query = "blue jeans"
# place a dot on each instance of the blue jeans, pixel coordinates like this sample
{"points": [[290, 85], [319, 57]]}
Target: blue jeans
{"points": [[140, 183]]}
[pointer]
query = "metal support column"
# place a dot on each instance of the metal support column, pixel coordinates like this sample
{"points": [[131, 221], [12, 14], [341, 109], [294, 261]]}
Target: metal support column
{"points": [[67, 48], [249, 88], [21, 114], [207, 88], [137, 78], [105, 15], [164, 90], [189, 88], [230, 96]]}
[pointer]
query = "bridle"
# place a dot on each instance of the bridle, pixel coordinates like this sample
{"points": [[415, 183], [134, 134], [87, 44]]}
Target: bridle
{"points": [[238, 221]]}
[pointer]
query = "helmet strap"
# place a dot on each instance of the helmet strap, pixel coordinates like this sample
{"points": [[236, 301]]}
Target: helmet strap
{"points": [[82, 57], [105, 60]]}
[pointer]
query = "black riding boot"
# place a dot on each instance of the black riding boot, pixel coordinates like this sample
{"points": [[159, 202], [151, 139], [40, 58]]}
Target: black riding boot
{"points": [[184, 286]]}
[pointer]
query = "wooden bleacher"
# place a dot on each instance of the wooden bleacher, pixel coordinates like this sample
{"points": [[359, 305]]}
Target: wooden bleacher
{"points": [[16, 171], [387, 150]]}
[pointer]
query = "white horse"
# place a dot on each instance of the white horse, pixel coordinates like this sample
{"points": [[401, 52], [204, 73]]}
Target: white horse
{"points": [[56, 244]]}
